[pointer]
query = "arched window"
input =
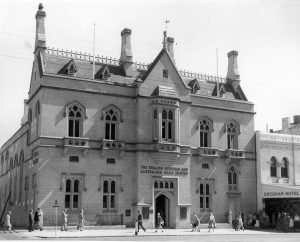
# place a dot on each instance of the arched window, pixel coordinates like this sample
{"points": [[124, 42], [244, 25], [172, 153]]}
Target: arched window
{"points": [[273, 167], [21, 160], [16, 163], [232, 130], [111, 123], [109, 194], [7, 161], [37, 116], [284, 168], [167, 125], [75, 113], [30, 116], [205, 195], [155, 124], [205, 133], [155, 184], [11, 164], [161, 185], [232, 179], [171, 185], [166, 185], [72, 193]]}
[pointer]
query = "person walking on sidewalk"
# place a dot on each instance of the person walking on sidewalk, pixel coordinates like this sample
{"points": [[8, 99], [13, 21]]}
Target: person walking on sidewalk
{"points": [[140, 221], [211, 222], [160, 223], [240, 222], [38, 219], [7, 224], [64, 220], [81, 221], [195, 223], [30, 220]]}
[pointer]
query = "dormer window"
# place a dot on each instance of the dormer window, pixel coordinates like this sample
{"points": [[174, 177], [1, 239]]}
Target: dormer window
{"points": [[103, 73], [70, 70]]}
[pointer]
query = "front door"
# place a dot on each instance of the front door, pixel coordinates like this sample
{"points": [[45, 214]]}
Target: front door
{"points": [[162, 205], [234, 205]]}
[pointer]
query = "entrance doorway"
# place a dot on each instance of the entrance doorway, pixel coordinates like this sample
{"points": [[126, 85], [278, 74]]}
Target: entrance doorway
{"points": [[162, 206], [234, 205]]}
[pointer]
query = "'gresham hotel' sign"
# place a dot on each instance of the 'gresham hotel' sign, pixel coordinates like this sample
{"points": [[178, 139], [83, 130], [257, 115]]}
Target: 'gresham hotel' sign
{"points": [[281, 194]]}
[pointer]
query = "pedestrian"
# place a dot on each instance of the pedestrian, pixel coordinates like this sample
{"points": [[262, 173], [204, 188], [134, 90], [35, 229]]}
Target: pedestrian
{"points": [[160, 223], [240, 222], [38, 219], [81, 221], [195, 223], [140, 221], [291, 224], [64, 220], [7, 224], [211, 222], [30, 220]]}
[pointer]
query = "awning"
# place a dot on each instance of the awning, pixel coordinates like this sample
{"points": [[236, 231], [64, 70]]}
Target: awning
{"points": [[280, 191]]}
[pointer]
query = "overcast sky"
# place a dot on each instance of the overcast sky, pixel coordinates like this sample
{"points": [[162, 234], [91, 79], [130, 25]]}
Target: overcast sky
{"points": [[266, 33]]}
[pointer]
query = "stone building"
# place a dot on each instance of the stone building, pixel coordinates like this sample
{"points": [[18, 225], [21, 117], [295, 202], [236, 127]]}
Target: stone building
{"points": [[278, 170], [118, 136]]}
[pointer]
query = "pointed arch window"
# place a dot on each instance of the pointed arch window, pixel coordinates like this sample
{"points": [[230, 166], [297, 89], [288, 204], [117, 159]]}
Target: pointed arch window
{"points": [[232, 179], [273, 167], [72, 193], [167, 125], [284, 168], [205, 133], [2, 164], [75, 114], [111, 123], [109, 194], [205, 194], [155, 124], [232, 129], [37, 116], [21, 160]]}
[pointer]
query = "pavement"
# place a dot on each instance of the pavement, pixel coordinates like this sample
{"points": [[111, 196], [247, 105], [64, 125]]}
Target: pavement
{"points": [[129, 232]]}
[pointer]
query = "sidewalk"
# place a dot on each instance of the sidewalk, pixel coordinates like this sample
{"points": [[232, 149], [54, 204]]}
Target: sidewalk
{"points": [[129, 233]]}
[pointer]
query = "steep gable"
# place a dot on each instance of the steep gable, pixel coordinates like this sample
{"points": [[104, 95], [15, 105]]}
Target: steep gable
{"points": [[36, 74], [163, 73]]}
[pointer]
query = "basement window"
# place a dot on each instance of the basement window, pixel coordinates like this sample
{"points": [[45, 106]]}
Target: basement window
{"points": [[74, 158], [205, 166], [110, 161]]}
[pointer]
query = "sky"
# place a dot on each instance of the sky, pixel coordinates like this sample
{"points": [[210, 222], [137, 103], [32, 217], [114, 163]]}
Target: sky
{"points": [[265, 33]]}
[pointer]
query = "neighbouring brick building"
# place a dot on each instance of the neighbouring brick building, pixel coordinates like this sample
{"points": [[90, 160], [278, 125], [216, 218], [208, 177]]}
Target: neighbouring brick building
{"points": [[124, 136], [278, 170]]}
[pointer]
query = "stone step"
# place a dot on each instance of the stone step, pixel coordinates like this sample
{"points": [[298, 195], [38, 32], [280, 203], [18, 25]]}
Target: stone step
{"points": [[88, 227]]}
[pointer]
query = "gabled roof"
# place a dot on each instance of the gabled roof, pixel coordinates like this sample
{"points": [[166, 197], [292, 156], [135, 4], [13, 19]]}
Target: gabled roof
{"points": [[104, 70], [70, 64], [153, 64], [228, 90], [164, 91]]}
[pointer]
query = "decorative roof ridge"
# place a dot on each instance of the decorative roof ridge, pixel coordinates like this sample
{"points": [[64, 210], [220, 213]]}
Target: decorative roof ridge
{"points": [[115, 62]]}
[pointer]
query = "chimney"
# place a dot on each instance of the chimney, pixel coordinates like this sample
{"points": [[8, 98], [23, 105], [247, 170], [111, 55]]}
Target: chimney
{"points": [[285, 125], [233, 75], [40, 37], [25, 115], [126, 59], [170, 42]]}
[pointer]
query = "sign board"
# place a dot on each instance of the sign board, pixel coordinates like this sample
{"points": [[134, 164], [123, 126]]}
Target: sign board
{"points": [[164, 170], [275, 191]]}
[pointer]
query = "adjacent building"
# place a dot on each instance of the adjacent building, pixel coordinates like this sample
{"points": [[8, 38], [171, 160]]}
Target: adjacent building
{"points": [[117, 136], [278, 169]]}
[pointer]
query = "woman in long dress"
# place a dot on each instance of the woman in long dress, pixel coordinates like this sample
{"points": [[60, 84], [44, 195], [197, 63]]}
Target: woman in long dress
{"points": [[81, 221], [7, 224]]}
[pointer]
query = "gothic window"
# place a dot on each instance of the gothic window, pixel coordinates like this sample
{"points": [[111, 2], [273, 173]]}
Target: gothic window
{"points": [[273, 167], [155, 124], [6, 161], [21, 160], [30, 116], [232, 179], [37, 115], [72, 193], [205, 133], [75, 114], [284, 168], [165, 73], [205, 194], [155, 184], [232, 135], [111, 123], [167, 125], [109, 194]]}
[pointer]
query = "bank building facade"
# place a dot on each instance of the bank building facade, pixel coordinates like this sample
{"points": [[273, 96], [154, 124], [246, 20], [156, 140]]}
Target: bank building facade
{"points": [[129, 136]]}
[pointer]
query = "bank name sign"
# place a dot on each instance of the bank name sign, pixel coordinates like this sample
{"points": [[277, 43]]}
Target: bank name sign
{"points": [[164, 170]]}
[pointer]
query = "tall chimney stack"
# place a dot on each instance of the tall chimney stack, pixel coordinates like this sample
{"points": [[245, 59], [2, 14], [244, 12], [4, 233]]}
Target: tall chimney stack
{"points": [[170, 42], [40, 37], [126, 59], [233, 75]]}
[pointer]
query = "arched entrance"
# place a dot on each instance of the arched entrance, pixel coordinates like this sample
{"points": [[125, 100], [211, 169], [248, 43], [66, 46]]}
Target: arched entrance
{"points": [[162, 206]]}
